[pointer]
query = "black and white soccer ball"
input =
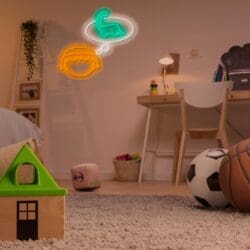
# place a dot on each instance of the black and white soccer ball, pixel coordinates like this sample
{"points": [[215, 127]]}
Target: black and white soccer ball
{"points": [[203, 178]]}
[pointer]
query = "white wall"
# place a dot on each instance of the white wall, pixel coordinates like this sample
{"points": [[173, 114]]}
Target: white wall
{"points": [[99, 118]]}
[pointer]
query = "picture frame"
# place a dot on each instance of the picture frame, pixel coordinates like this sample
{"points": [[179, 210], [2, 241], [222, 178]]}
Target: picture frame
{"points": [[29, 91], [32, 114]]}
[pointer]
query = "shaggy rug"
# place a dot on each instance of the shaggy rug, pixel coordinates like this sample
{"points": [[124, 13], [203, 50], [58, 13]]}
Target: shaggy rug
{"points": [[144, 222]]}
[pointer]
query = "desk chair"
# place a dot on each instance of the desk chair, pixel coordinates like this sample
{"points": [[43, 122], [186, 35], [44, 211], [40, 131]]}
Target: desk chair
{"points": [[200, 95]]}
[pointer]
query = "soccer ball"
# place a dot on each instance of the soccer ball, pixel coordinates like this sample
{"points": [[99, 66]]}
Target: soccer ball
{"points": [[203, 178]]}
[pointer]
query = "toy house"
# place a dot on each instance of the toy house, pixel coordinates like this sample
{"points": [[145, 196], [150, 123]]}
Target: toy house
{"points": [[32, 210]]}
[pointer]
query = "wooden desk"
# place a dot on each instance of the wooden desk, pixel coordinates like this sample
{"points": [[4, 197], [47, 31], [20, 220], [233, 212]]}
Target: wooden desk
{"points": [[159, 101]]}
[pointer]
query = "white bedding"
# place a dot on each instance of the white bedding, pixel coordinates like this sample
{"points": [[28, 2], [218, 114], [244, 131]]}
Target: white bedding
{"points": [[15, 128]]}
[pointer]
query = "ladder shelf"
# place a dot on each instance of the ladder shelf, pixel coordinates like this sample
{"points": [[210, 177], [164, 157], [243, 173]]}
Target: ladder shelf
{"points": [[27, 94]]}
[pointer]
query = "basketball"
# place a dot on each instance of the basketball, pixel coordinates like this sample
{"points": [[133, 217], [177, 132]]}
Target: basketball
{"points": [[234, 175]]}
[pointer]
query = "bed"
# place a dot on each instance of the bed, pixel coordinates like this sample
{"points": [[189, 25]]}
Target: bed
{"points": [[15, 128]]}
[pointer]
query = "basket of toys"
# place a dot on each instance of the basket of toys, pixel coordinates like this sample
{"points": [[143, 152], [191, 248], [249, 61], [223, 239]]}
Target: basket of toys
{"points": [[127, 167]]}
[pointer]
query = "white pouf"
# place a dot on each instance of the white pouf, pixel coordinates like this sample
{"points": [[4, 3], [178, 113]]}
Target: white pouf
{"points": [[86, 176]]}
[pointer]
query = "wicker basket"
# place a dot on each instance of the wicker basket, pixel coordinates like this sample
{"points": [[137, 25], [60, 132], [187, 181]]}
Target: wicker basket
{"points": [[127, 170]]}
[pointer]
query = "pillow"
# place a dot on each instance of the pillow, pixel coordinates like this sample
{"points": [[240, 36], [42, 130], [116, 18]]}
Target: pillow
{"points": [[8, 153]]}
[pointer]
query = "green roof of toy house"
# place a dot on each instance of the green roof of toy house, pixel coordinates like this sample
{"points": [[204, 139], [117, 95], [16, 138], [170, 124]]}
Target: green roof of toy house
{"points": [[43, 183]]}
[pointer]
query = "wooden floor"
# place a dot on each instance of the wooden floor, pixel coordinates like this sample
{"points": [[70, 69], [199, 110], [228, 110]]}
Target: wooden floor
{"points": [[134, 188]]}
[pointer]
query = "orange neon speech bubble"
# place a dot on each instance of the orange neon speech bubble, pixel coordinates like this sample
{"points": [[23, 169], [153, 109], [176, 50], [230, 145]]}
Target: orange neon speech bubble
{"points": [[79, 53]]}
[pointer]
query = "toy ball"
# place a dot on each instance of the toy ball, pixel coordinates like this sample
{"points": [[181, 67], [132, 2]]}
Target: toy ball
{"points": [[203, 178], [234, 175]]}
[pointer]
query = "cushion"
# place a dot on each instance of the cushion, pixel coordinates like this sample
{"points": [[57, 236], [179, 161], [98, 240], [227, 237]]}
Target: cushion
{"points": [[86, 176]]}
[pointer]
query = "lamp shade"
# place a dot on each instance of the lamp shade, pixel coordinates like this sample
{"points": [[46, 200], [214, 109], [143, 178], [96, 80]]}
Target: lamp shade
{"points": [[167, 60]]}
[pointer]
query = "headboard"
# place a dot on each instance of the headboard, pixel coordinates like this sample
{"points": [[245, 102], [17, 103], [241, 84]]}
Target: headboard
{"points": [[237, 64]]}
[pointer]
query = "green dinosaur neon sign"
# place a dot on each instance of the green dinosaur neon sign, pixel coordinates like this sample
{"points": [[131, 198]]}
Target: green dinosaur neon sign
{"points": [[108, 29]]}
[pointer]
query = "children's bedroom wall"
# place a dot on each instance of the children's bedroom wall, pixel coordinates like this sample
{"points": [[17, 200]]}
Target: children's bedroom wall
{"points": [[93, 120]]}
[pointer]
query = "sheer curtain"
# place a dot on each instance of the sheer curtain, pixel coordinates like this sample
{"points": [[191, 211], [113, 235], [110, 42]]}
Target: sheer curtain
{"points": [[62, 119]]}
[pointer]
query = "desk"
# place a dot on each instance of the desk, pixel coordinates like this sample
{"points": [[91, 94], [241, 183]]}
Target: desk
{"points": [[160, 101]]}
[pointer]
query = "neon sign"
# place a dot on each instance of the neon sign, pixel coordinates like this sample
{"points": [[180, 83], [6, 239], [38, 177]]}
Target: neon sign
{"points": [[106, 27], [106, 31], [79, 53]]}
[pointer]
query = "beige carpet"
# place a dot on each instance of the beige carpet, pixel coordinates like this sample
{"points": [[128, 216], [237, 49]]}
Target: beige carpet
{"points": [[145, 222]]}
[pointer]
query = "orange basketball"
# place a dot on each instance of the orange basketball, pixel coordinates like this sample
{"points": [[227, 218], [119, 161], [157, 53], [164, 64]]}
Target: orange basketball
{"points": [[234, 175]]}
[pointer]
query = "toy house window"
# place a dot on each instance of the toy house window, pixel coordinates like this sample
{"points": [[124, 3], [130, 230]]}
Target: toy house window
{"points": [[26, 174], [27, 210]]}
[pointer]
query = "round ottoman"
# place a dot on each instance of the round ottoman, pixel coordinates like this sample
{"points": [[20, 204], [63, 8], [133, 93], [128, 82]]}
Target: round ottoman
{"points": [[86, 176]]}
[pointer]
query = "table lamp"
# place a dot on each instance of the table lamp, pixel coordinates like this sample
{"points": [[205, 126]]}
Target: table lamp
{"points": [[165, 61]]}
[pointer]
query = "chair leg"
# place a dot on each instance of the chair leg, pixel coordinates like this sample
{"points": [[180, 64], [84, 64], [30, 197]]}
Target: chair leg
{"points": [[180, 157], [219, 142], [176, 154], [222, 138]]}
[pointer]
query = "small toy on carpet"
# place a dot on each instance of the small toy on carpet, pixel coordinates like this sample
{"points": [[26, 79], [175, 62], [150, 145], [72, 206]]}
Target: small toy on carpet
{"points": [[203, 178], [86, 176], [235, 175]]}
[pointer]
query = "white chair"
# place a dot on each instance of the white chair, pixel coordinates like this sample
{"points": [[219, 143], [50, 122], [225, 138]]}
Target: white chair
{"points": [[200, 95]]}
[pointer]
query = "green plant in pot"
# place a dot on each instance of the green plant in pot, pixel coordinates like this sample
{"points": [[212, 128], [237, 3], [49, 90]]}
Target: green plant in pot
{"points": [[30, 31]]}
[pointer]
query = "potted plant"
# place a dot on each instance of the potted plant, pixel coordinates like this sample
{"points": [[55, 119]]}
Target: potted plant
{"points": [[30, 31]]}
